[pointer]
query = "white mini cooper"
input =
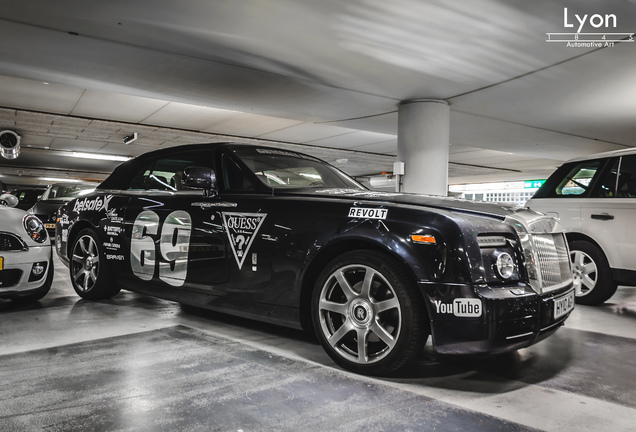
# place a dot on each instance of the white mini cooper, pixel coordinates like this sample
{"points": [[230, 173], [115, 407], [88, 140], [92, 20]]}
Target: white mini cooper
{"points": [[26, 267]]}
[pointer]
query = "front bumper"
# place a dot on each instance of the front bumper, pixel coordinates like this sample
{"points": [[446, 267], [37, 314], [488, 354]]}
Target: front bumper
{"points": [[511, 318], [16, 276]]}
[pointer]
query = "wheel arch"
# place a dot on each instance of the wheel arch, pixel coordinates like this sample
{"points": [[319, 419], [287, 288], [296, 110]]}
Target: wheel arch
{"points": [[577, 236], [74, 231], [328, 253]]}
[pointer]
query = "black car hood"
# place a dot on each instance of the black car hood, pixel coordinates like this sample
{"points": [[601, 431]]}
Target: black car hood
{"points": [[497, 211]]}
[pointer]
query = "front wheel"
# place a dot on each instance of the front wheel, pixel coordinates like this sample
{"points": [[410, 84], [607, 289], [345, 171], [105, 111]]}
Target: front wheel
{"points": [[592, 274], [90, 272], [368, 314]]}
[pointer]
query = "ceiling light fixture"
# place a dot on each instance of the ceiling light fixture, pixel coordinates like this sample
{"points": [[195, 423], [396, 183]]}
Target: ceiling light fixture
{"points": [[9, 144], [98, 156], [130, 138], [58, 180]]}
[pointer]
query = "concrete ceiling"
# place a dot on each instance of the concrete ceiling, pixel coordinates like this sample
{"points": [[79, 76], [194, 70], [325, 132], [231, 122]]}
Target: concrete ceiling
{"points": [[322, 76]]}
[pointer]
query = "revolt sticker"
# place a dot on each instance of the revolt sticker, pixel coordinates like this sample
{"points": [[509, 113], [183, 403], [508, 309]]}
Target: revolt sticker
{"points": [[241, 228], [367, 213]]}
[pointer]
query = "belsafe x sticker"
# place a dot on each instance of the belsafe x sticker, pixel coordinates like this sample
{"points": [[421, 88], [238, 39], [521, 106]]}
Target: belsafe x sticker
{"points": [[241, 228]]}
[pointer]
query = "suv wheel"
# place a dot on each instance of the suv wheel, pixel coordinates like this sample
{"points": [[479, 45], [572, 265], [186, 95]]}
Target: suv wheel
{"points": [[592, 273]]}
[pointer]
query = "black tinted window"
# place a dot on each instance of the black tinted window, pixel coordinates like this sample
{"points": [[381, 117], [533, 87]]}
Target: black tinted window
{"points": [[606, 187], [285, 169], [166, 173], [571, 180], [626, 184], [235, 179]]}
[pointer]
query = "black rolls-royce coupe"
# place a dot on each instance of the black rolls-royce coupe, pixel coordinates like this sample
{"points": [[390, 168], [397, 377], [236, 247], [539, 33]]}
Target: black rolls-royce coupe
{"points": [[283, 237]]}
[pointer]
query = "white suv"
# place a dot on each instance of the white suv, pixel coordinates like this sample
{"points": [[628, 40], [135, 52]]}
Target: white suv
{"points": [[595, 199]]}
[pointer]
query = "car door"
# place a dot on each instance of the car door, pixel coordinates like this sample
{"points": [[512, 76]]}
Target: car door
{"points": [[177, 240], [248, 217], [608, 214]]}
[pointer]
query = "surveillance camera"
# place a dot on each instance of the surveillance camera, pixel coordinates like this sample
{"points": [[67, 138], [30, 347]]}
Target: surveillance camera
{"points": [[130, 138]]}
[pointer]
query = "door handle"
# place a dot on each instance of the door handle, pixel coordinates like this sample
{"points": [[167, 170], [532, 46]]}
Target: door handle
{"points": [[603, 216], [205, 205]]}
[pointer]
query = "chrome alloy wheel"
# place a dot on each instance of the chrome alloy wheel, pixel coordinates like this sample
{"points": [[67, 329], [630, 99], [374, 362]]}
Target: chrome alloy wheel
{"points": [[584, 272], [360, 314], [85, 263]]}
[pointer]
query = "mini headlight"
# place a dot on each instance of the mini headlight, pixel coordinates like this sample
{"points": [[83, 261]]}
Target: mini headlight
{"points": [[34, 228], [505, 265]]}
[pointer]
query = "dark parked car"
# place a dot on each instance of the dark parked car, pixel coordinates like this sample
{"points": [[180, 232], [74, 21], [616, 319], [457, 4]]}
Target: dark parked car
{"points": [[283, 237], [27, 197], [54, 196]]}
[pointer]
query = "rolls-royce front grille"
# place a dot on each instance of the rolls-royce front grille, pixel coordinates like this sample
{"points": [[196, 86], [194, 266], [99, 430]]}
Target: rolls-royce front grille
{"points": [[552, 260]]}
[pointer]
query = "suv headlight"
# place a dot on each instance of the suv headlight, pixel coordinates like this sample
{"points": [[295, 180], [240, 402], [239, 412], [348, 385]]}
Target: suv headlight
{"points": [[500, 259], [35, 228]]}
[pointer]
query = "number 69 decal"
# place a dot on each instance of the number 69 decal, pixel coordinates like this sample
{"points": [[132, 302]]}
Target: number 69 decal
{"points": [[174, 243]]}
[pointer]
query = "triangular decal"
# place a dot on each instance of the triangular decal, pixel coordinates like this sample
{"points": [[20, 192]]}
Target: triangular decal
{"points": [[241, 228]]}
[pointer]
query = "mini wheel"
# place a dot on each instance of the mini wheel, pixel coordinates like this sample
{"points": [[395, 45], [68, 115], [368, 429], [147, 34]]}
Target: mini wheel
{"points": [[90, 272], [368, 314]]}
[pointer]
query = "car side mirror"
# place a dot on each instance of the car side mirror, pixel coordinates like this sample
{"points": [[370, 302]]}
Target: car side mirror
{"points": [[9, 200], [197, 177]]}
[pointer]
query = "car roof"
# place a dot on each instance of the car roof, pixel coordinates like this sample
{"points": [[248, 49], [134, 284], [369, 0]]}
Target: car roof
{"points": [[613, 153]]}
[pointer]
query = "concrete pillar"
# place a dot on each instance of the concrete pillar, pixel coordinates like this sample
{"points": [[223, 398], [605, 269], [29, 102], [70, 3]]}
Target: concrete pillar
{"points": [[423, 141]]}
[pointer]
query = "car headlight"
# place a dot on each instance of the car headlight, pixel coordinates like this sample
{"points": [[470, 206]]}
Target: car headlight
{"points": [[505, 265], [35, 228], [500, 258]]}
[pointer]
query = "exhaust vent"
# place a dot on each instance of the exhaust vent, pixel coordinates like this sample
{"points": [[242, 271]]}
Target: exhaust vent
{"points": [[9, 144]]}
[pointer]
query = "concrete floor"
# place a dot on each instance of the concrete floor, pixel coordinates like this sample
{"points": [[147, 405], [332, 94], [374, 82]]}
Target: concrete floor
{"points": [[137, 363]]}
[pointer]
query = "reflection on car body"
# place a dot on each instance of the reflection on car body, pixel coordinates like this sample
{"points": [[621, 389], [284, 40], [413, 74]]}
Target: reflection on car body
{"points": [[283, 237]]}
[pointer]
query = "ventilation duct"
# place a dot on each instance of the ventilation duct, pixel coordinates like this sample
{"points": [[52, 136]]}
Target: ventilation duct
{"points": [[9, 144]]}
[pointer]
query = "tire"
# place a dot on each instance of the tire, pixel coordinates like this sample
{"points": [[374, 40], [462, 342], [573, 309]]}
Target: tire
{"points": [[591, 269], [90, 273], [43, 290], [368, 314]]}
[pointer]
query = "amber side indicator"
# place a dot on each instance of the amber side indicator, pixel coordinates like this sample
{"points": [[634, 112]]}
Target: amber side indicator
{"points": [[427, 239]]}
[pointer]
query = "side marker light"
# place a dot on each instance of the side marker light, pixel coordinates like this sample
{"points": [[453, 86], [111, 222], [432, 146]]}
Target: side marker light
{"points": [[423, 239]]}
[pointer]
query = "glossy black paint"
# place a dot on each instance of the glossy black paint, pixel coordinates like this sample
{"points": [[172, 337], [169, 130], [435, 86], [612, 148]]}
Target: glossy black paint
{"points": [[295, 233]]}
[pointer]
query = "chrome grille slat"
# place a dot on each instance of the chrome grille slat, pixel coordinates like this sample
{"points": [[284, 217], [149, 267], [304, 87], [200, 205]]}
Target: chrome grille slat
{"points": [[552, 260]]}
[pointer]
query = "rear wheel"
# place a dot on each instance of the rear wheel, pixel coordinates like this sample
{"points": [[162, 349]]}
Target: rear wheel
{"points": [[90, 272], [368, 314], [592, 273]]}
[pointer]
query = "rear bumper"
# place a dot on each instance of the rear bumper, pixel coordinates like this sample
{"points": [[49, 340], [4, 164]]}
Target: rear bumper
{"points": [[510, 319]]}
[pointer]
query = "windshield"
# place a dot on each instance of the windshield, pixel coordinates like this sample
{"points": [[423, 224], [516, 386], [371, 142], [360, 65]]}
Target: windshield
{"points": [[66, 191], [281, 169]]}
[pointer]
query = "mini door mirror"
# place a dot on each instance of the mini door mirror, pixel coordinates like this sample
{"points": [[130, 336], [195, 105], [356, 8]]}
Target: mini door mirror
{"points": [[9, 200], [197, 177]]}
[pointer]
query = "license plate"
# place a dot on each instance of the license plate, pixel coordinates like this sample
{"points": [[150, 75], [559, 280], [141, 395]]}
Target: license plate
{"points": [[563, 305], [1, 263], [49, 226]]}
